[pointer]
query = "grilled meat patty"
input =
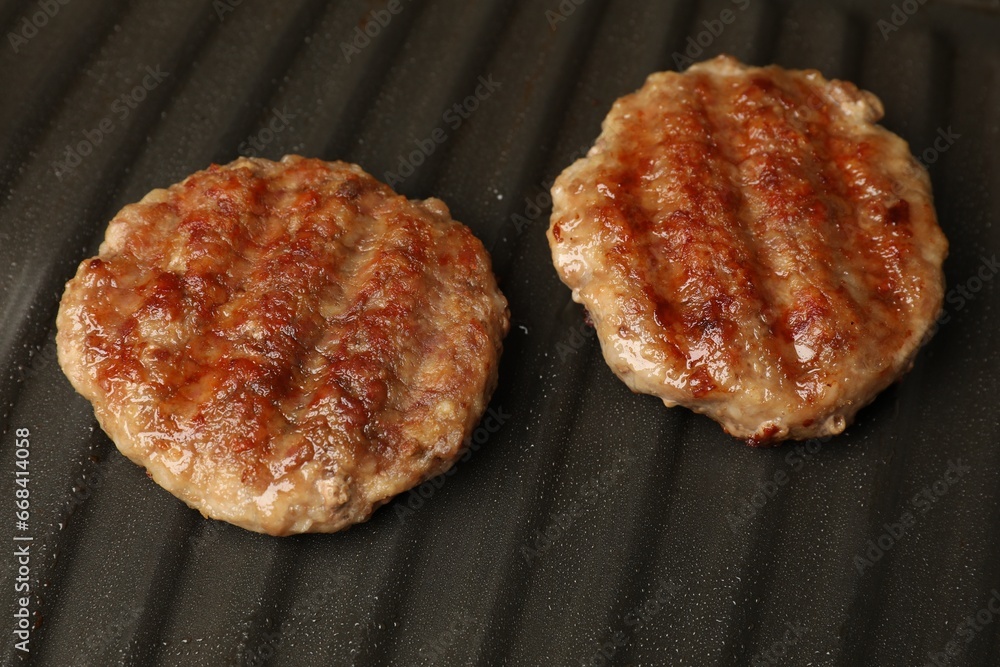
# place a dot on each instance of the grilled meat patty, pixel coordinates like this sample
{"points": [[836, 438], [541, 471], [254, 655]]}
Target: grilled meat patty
{"points": [[751, 245], [285, 345]]}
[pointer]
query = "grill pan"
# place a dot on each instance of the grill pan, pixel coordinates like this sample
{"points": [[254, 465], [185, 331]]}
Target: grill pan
{"points": [[591, 526]]}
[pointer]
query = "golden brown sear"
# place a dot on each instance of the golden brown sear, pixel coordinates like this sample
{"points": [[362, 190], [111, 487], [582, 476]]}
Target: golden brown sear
{"points": [[285, 345], [752, 245]]}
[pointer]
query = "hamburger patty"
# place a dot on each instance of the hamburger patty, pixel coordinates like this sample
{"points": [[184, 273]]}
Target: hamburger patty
{"points": [[752, 245], [285, 345]]}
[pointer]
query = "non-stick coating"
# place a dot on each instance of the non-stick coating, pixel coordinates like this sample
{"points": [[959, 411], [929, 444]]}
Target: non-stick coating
{"points": [[591, 526]]}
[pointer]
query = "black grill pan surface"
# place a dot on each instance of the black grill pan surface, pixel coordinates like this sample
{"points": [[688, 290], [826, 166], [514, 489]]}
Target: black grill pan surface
{"points": [[591, 526]]}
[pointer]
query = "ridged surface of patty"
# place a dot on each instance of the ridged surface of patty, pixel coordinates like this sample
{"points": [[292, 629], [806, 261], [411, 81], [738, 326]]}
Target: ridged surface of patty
{"points": [[285, 345], [752, 245]]}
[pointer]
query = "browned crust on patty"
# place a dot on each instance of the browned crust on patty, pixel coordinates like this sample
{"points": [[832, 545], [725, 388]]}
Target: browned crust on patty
{"points": [[285, 345], [753, 246]]}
